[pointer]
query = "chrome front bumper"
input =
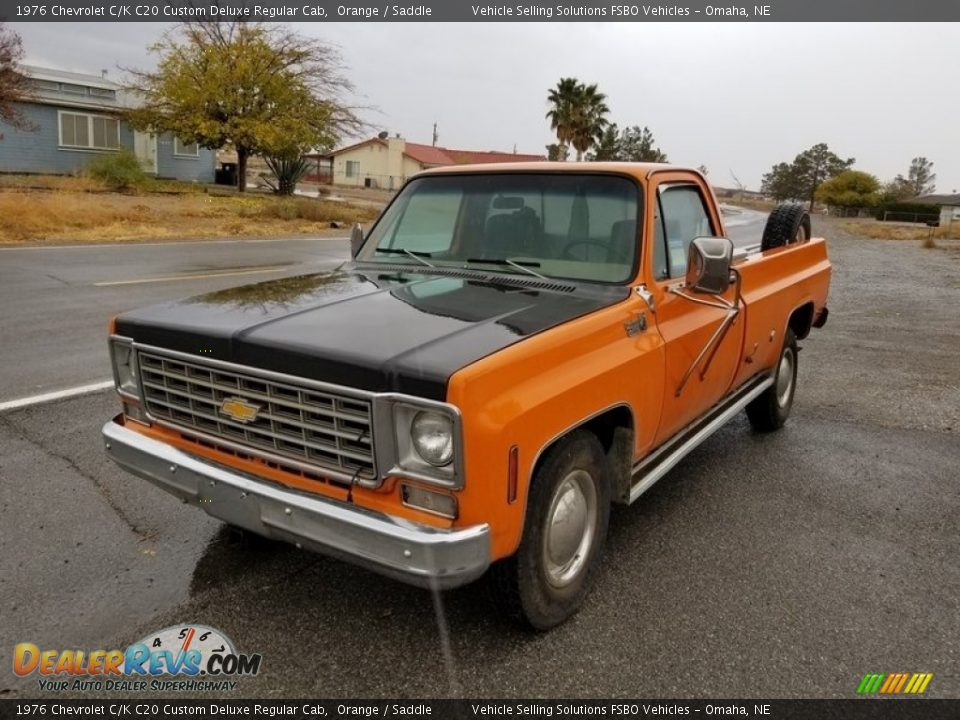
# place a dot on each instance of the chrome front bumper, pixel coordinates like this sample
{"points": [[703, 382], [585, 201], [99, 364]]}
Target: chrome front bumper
{"points": [[416, 554]]}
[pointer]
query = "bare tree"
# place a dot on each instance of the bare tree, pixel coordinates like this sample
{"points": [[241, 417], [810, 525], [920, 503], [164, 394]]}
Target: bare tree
{"points": [[739, 185], [14, 85]]}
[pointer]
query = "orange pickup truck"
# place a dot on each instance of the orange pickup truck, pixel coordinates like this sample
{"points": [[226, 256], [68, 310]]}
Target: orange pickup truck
{"points": [[511, 349]]}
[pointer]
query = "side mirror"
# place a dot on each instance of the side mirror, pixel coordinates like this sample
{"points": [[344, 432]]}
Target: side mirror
{"points": [[356, 239], [708, 265]]}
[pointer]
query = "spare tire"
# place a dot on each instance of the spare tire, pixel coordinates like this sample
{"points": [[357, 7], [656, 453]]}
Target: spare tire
{"points": [[788, 223]]}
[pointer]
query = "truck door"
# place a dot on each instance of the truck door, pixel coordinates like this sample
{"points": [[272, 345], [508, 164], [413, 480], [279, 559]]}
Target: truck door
{"points": [[682, 213]]}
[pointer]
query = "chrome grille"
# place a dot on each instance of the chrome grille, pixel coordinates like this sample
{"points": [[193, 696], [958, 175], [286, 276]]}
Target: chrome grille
{"points": [[315, 427]]}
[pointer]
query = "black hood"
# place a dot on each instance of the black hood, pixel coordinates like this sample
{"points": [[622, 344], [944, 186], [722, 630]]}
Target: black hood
{"points": [[394, 329]]}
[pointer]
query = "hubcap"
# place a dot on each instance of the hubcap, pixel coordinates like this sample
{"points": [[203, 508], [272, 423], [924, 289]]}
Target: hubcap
{"points": [[570, 528], [785, 377]]}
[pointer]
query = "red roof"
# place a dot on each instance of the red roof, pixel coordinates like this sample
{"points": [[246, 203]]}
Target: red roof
{"points": [[431, 156], [428, 154], [474, 157]]}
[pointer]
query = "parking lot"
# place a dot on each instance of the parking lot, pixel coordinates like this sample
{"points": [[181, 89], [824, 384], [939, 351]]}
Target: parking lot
{"points": [[785, 565]]}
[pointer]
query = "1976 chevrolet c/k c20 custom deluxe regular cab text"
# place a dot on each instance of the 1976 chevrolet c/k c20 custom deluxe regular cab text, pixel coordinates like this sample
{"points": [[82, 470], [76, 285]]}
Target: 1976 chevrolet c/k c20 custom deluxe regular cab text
{"points": [[511, 349]]}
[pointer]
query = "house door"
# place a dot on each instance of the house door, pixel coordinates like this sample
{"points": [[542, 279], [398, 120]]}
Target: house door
{"points": [[145, 148]]}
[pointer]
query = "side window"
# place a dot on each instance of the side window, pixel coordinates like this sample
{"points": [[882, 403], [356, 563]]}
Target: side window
{"points": [[685, 217]]}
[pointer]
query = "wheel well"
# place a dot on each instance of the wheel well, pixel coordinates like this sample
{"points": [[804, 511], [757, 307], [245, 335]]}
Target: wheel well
{"points": [[801, 320], [614, 429]]}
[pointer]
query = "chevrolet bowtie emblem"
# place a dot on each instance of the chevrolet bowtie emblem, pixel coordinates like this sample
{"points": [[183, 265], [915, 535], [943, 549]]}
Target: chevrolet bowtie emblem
{"points": [[239, 409]]}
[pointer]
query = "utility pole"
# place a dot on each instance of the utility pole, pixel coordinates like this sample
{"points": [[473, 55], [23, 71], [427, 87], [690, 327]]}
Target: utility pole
{"points": [[435, 136]]}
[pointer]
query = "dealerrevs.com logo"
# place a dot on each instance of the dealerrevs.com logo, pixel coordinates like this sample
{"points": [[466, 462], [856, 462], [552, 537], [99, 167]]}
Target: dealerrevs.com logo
{"points": [[186, 658]]}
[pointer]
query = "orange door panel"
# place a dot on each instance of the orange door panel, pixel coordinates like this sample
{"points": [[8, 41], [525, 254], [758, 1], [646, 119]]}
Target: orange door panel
{"points": [[686, 329], [698, 373]]}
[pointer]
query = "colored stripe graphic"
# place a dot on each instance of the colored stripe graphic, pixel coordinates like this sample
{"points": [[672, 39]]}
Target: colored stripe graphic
{"points": [[894, 683]]}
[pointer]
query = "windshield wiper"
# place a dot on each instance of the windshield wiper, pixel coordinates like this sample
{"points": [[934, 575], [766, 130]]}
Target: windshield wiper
{"points": [[415, 254], [524, 265]]}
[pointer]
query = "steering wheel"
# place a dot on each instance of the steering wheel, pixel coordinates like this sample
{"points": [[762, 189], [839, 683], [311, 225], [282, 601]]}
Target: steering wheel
{"points": [[568, 255]]}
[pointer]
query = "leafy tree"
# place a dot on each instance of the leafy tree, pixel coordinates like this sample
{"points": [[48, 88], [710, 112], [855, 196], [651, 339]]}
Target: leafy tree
{"points": [[851, 189], [801, 178], [577, 114], [14, 85], [920, 180], [258, 88], [632, 144], [781, 183], [608, 144], [636, 144], [556, 151], [815, 165]]}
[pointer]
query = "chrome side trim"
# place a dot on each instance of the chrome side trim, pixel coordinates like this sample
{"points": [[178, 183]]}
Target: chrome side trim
{"points": [[655, 466], [411, 552]]}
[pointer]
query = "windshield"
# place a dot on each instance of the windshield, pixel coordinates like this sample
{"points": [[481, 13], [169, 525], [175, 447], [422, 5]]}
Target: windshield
{"points": [[569, 226]]}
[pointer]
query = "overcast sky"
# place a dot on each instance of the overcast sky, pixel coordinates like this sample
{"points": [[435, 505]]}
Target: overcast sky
{"points": [[734, 97]]}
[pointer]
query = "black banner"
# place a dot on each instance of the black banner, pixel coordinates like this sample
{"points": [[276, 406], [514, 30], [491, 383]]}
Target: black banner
{"points": [[617, 11], [857, 709]]}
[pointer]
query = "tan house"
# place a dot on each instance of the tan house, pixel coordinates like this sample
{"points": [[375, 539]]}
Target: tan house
{"points": [[386, 162]]}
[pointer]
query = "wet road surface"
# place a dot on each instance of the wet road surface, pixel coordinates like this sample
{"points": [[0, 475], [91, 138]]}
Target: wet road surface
{"points": [[781, 565]]}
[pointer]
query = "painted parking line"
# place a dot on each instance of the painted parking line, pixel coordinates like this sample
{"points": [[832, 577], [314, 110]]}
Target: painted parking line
{"points": [[56, 395], [195, 276]]}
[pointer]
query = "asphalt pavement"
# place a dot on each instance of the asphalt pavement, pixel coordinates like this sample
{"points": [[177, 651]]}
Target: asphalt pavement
{"points": [[58, 300], [782, 565]]}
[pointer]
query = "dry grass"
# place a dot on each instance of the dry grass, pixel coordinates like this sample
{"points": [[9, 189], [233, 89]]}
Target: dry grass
{"points": [[69, 216], [754, 203], [901, 231]]}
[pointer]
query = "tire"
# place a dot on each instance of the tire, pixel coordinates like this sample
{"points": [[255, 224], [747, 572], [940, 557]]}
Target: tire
{"points": [[545, 582], [770, 410], [789, 223]]}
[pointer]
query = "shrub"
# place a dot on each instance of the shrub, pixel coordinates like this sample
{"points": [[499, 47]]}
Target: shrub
{"points": [[907, 211], [287, 171], [118, 170]]}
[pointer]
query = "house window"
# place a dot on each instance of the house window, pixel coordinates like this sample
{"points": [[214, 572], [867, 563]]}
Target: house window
{"points": [[90, 132], [103, 92], [73, 89], [187, 149], [353, 168]]}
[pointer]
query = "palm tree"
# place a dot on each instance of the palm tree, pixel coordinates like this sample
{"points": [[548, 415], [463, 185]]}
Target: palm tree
{"points": [[563, 99], [578, 114], [590, 118]]}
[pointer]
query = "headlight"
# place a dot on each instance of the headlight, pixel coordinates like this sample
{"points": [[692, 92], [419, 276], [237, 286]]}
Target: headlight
{"points": [[419, 439], [124, 369], [432, 436]]}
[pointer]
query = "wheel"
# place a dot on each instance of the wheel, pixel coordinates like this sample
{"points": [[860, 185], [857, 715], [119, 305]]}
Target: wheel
{"points": [[568, 510], [769, 411], [567, 255], [788, 223]]}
